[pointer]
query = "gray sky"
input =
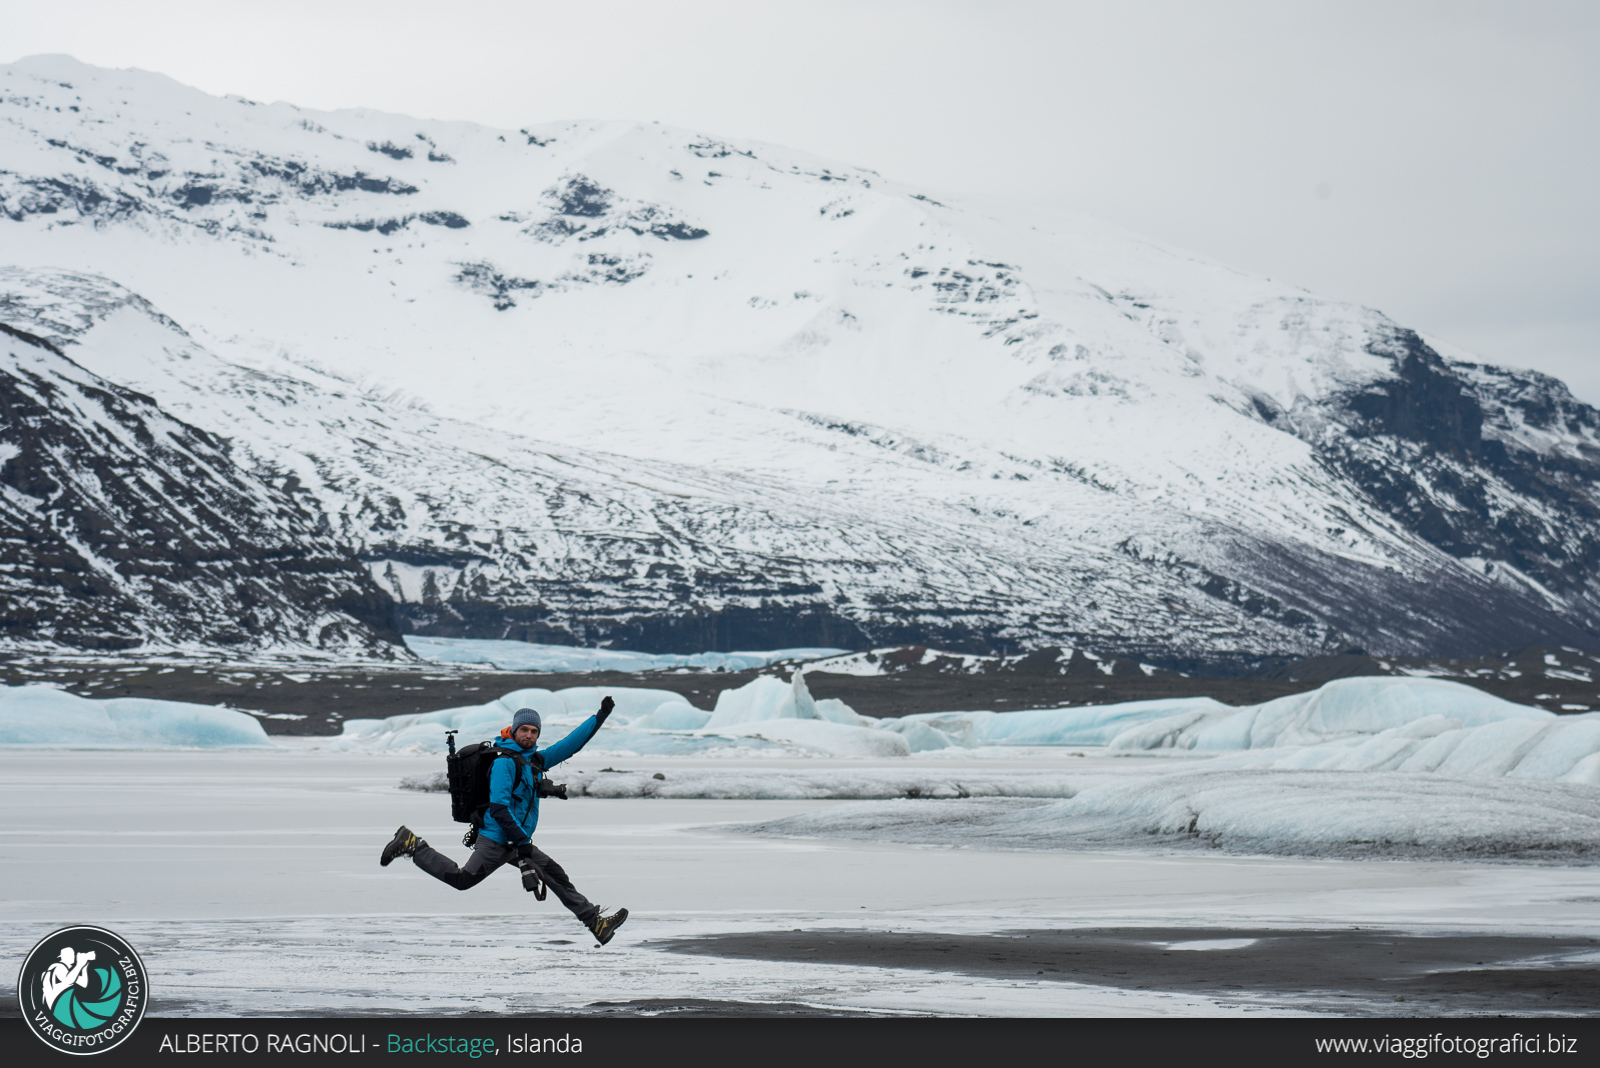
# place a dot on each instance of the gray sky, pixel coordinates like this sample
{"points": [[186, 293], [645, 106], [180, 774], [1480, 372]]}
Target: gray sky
{"points": [[1434, 160]]}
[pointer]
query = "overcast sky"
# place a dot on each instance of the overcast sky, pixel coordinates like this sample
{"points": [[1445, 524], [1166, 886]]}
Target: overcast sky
{"points": [[1435, 160]]}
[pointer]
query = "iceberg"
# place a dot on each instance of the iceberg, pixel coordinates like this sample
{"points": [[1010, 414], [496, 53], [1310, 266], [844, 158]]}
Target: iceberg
{"points": [[767, 698], [577, 703], [764, 714], [821, 736], [44, 715], [1361, 724], [920, 738], [1386, 724], [558, 708], [672, 716], [1083, 725]]}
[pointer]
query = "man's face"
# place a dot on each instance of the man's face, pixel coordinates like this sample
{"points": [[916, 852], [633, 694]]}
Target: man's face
{"points": [[526, 735]]}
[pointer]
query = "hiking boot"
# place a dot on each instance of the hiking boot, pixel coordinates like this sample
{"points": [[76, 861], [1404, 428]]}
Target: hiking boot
{"points": [[603, 927], [403, 844]]}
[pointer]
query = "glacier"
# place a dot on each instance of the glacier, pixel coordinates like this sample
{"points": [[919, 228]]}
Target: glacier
{"points": [[531, 656]]}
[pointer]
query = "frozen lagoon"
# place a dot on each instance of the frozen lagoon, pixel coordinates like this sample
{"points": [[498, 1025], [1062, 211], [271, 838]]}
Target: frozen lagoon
{"points": [[248, 878]]}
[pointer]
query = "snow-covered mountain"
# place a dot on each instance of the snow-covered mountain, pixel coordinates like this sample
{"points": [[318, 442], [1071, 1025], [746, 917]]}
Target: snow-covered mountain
{"points": [[610, 381], [123, 527]]}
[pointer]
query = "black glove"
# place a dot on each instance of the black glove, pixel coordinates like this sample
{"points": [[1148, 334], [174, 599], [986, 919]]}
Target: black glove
{"points": [[524, 851], [606, 705]]}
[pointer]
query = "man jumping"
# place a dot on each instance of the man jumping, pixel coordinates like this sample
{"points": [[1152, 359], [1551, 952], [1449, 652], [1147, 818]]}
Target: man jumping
{"points": [[512, 815]]}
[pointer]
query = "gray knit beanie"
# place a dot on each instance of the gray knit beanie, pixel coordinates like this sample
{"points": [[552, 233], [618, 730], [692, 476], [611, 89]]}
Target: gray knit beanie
{"points": [[526, 715]]}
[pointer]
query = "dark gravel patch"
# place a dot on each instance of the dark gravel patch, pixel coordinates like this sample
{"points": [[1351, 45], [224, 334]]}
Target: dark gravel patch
{"points": [[712, 1008], [1364, 972]]}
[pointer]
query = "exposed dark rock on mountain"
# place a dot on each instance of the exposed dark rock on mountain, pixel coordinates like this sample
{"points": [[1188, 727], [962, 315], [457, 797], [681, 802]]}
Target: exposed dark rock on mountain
{"points": [[1442, 453], [122, 527]]}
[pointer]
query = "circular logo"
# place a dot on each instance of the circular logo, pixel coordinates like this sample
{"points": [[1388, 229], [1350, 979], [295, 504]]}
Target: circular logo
{"points": [[83, 990]]}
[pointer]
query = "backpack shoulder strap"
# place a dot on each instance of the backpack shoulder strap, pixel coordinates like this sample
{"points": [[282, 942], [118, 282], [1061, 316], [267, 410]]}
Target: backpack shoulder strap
{"points": [[520, 761]]}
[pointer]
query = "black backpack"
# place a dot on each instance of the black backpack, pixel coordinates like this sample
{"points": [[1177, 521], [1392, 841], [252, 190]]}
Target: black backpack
{"points": [[467, 771]]}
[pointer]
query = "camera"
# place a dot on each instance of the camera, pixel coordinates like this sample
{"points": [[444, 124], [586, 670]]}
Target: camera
{"points": [[532, 879], [546, 788]]}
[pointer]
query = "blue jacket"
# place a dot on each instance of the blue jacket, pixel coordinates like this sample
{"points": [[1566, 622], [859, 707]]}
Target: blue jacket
{"points": [[513, 802]]}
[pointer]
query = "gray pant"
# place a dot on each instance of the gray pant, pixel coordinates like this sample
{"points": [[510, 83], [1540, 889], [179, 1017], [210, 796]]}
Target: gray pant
{"points": [[487, 855]]}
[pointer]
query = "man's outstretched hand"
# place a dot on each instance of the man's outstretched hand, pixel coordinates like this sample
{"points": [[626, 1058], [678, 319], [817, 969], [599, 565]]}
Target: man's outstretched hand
{"points": [[606, 705]]}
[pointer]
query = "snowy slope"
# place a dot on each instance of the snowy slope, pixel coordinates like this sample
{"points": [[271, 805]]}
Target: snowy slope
{"points": [[624, 382], [122, 527]]}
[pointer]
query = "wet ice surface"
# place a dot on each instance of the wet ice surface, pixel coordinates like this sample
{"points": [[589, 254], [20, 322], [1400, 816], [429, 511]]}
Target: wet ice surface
{"points": [[1247, 810], [249, 881]]}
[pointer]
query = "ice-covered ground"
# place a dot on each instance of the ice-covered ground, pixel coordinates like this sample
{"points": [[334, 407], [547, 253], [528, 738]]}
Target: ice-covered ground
{"points": [[244, 867], [1301, 813], [248, 879]]}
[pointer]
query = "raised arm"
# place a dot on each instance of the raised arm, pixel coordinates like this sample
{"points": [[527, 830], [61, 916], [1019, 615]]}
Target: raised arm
{"points": [[579, 737]]}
